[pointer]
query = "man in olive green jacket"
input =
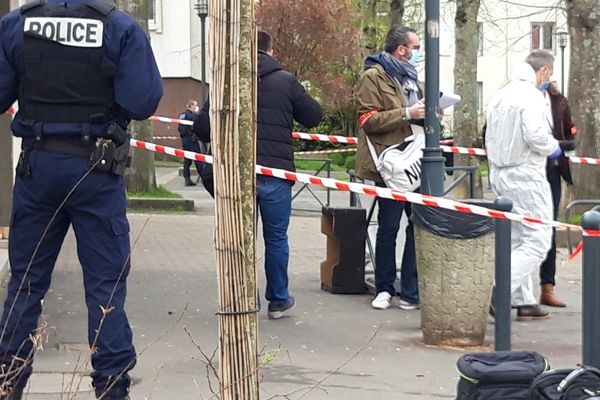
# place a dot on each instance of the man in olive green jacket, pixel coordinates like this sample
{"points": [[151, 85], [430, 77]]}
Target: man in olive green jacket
{"points": [[389, 96]]}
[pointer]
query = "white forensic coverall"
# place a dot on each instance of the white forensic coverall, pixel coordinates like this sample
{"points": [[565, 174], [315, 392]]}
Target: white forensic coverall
{"points": [[518, 141]]}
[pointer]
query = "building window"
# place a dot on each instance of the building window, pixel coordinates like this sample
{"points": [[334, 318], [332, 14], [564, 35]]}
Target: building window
{"points": [[480, 97], [480, 38], [155, 15], [542, 35]]}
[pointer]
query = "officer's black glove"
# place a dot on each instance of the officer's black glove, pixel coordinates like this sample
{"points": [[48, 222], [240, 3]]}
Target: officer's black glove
{"points": [[566, 145]]}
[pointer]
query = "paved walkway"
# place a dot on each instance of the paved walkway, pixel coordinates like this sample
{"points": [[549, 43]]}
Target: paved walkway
{"points": [[173, 287]]}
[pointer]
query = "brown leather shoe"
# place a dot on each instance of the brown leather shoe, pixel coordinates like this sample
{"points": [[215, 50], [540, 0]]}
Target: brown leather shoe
{"points": [[549, 298], [532, 312]]}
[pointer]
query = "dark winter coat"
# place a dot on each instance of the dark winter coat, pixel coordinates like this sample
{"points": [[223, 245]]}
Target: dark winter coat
{"points": [[564, 128], [281, 100]]}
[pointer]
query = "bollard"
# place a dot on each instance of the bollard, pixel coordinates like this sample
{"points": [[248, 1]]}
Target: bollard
{"points": [[502, 291], [591, 288]]}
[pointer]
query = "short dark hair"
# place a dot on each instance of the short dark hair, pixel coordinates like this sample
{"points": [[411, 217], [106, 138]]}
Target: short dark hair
{"points": [[265, 41], [397, 36]]}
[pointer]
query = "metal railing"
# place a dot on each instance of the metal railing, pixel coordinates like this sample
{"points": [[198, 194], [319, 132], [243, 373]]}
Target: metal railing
{"points": [[325, 166], [468, 172]]}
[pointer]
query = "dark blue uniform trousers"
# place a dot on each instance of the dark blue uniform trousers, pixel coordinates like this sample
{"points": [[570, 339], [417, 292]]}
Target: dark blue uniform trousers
{"points": [[96, 209], [189, 144]]}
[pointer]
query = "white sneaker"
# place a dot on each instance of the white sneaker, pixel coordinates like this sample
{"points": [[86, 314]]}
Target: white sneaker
{"points": [[382, 301], [405, 305]]}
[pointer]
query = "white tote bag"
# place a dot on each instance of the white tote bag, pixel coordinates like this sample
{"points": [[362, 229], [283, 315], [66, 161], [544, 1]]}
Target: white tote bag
{"points": [[400, 165]]}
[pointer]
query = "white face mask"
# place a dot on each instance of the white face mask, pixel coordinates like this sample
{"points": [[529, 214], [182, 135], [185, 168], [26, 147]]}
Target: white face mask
{"points": [[196, 109]]}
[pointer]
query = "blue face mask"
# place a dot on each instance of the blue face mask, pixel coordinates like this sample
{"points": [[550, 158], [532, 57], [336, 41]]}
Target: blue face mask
{"points": [[545, 85], [416, 57]]}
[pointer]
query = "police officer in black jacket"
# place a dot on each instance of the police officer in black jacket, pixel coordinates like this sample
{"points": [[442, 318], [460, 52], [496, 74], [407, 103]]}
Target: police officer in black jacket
{"points": [[281, 100], [189, 141], [80, 70]]}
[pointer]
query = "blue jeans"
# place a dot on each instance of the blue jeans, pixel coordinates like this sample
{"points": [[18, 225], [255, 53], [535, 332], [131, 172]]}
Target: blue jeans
{"points": [[274, 197], [96, 211], [390, 212]]}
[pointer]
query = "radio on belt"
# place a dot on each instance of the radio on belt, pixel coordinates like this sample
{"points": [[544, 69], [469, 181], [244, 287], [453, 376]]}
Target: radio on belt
{"points": [[75, 32]]}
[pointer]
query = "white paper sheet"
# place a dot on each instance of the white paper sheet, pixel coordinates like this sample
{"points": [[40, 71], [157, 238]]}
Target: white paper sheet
{"points": [[447, 100]]}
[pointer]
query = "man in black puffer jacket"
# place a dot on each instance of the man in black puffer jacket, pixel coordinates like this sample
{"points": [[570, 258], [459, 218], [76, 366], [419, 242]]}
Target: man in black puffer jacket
{"points": [[281, 100]]}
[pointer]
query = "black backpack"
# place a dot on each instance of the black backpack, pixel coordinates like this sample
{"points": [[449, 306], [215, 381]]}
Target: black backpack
{"points": [[502, 375], [567, 384]]}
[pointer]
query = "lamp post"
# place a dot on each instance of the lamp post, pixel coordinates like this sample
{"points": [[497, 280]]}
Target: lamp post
{"points": [[432, 163], [563, 40], [202, 10]]}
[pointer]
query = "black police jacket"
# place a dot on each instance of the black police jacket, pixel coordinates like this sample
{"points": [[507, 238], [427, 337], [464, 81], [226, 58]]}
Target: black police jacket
{"points": [[66, 76], [186, 130]]}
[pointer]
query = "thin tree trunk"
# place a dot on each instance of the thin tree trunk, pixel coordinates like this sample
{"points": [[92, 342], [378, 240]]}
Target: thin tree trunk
{"points": [[233, 115], [141, 176], [584, 93], [369, 26], [396, 12], [465, 83]]}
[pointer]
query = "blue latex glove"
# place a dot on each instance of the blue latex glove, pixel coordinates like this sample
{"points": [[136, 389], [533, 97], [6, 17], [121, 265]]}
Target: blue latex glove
{"points": [[555, 154]]}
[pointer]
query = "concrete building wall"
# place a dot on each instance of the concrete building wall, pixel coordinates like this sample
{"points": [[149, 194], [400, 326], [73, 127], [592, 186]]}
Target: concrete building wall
{"points": [[510, 40], [177, 91], [507, 40], [175, 38]]}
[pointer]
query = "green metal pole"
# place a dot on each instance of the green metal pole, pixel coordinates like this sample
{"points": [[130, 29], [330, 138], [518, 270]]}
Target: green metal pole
{"points": [[432, 163]]}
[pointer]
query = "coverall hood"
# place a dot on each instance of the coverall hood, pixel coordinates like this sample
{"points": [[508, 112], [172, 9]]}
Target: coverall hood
{"points": [[523, 72]]}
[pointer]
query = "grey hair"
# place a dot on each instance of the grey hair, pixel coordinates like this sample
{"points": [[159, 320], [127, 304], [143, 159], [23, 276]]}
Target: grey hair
{"points": [[538, 58], [397, 36]]}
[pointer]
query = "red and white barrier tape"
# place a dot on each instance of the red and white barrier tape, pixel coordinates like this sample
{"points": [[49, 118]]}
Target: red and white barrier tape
{"points": [[296, 135], [463, 150], [482, 152], [157, 148], [171, 120], [353, 140], [303, 153], [368, 190], [325, 138], [165, 137], [576, 251], [589, 233], [585, 160]]}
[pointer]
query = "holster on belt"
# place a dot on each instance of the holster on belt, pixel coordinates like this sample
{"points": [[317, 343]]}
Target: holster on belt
{"points": [[108, 156]]}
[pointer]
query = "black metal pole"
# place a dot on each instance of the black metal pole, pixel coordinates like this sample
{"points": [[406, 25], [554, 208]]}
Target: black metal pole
{"points": [[590, 223], [203, 59], [502, 290], [432, 163], [562, 69]]}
